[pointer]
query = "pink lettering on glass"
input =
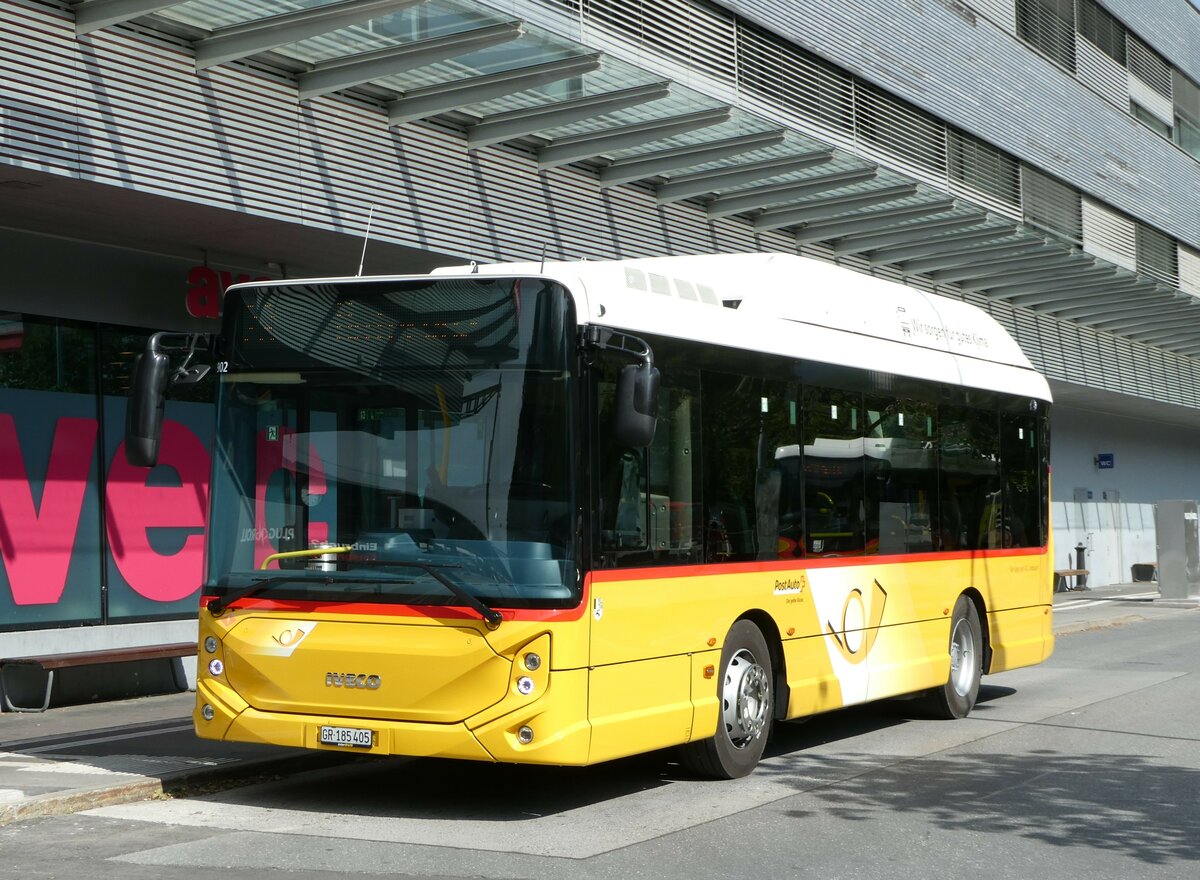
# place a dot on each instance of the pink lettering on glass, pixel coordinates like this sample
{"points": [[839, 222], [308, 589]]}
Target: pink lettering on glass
{"points": [[133, 508], [277, 451], [37, 539]]}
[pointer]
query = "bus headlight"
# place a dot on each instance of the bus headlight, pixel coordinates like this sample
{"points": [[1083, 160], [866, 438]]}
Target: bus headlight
{"points": [[215, 667], [525, 685]]}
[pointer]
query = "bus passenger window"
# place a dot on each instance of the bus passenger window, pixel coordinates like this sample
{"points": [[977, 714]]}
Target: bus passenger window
{"points": [[1019, 464], [751, 486], [901, 474], [834, 473], [970, 509]]}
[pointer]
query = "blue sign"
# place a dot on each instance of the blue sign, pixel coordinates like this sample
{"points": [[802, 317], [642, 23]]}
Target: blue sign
{"points": [[1104, 461]]}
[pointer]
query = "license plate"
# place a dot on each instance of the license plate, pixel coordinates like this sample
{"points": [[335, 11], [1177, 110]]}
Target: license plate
{"points": [[357, 737]]}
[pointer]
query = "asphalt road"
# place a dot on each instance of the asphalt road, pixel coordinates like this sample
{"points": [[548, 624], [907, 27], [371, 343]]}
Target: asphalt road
{"points": [[1087, 766]]}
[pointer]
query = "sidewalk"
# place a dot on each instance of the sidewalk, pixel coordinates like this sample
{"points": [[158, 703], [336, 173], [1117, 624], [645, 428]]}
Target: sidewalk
{"points": [[1143, 589], [77, 757]]}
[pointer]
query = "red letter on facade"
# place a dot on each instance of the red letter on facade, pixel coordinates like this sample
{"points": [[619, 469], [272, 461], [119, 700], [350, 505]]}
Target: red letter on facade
{"points": [[37, 540], [134, 508], [204, 294]]}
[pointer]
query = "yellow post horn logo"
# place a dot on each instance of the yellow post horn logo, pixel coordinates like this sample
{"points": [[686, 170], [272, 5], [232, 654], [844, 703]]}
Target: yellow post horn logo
{"points": [[861, 616]]}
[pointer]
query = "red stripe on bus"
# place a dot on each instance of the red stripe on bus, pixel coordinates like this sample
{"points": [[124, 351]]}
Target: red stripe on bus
{"points": [[436, 612], [680, 571]]}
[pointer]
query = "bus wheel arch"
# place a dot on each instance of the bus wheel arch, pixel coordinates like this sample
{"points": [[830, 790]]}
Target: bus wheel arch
{"points": [[770, 631], [981, 609], [747, 688], [967, 647]]}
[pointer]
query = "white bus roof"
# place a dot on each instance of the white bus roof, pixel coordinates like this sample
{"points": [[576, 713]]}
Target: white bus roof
{"points": [[794, 306]]}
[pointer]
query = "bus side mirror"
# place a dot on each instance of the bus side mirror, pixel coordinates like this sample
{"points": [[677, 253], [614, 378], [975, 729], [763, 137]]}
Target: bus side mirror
{"points": [[144, 410], [636, 413]]}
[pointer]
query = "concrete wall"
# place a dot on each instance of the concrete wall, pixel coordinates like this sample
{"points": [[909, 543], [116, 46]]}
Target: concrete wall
{"points": [[1151, 462]]}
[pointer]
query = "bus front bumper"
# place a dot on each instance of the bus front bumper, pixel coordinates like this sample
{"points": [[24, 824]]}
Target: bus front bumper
{"points": [[556, 726]]}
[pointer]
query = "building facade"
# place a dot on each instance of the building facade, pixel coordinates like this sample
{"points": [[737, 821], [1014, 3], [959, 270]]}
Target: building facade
{"points": [[1038, 158]]}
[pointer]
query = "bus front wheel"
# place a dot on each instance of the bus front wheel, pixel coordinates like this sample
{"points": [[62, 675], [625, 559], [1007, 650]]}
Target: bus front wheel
{"points": [[957, 696], [746, 692]]}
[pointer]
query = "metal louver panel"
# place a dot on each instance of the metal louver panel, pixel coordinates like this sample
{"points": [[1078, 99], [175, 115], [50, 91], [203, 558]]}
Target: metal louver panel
{"points": [[1189, 271], [1148, 66], [1109, 235], [1149, 98], [1157, 255], [782, 75], [695, 35], [1101, 30], [1049, 26], [1050, 205], [911, 139], [984, 174], [1098, 70], [1000, 12]]}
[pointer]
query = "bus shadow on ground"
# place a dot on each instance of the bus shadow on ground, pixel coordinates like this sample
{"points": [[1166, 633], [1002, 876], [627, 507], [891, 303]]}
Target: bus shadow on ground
{"points": [[436, 789]]}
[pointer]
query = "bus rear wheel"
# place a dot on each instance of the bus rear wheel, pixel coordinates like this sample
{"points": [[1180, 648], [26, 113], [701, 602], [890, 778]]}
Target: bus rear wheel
{"points": [[746, 691], [957, 696]]}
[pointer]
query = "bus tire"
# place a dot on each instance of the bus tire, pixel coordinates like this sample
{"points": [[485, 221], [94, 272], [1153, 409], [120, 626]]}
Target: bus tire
{"points": [[746, 691], [957, 696]]}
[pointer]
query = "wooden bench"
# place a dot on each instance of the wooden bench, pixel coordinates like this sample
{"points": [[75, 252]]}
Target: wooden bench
{"points": [[1060, 579], [52, 662]]}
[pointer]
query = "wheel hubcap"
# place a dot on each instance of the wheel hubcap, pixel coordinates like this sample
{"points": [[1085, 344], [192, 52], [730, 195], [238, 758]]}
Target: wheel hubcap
{"points": [[962, 658], [745, 698]]}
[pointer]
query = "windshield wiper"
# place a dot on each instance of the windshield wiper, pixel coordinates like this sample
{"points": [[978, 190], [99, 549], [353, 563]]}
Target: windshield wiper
{"points": [[491, 616]]}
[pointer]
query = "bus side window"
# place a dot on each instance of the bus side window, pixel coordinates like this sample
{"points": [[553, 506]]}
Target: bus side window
{"points": [[902, 486], [647, 498], [751, 509], [834, 473], [969, 491], [1019, 463]]}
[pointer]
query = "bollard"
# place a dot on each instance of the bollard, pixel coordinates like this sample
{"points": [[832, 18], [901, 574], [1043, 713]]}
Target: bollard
{"points": [[1081, 565]]}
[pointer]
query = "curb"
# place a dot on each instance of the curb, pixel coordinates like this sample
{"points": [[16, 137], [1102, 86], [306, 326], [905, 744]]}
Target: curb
{"points": [[62, 803], [77, 800]]}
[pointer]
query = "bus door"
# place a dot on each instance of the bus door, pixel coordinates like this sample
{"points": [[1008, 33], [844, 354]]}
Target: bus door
{"points": [[642, 601]]}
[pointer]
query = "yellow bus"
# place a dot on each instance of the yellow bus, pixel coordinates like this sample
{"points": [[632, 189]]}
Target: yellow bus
{"points": [[567, 512]]}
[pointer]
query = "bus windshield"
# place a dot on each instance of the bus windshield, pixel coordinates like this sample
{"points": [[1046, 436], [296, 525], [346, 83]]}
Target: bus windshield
{"points": [[398, 442]]}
